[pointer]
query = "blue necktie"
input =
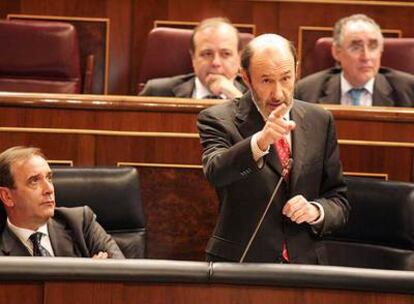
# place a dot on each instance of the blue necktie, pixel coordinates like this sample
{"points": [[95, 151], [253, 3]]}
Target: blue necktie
{"points": [[38, 250], [355, 94]]}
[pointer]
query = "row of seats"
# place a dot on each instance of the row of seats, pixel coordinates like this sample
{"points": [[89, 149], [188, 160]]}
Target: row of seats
{"points": [[39, 56], [380, 233], [43, 57]]}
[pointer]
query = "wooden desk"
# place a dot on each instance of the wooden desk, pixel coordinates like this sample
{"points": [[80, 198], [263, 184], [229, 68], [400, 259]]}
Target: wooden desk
{"points": [[159, 137], [75, 280]]}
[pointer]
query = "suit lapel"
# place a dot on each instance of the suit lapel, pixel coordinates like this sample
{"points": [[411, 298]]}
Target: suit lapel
{"points": [[185, 89], [249, 121], [61, 239], [11, 245], [382, 95], [332, 90], [299, 140]]}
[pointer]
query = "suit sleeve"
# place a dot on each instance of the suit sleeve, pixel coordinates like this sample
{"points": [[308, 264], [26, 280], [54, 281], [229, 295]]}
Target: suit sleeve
{"points": [[147, 90], [225, 159], [96, 237], [333, 189]]}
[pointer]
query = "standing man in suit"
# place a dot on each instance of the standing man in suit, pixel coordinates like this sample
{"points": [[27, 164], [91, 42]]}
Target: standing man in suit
{"points": [[214, 49], [246, 143], [33, 225], [357, 46]]}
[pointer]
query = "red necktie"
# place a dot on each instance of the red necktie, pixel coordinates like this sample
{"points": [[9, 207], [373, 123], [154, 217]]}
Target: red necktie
{"points": [[283, 151]]}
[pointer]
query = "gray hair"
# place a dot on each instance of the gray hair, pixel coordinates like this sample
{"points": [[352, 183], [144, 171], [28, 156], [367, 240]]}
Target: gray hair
{"points": [[338, 33]]}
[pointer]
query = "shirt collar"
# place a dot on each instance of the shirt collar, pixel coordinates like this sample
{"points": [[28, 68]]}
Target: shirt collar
{"points": [[200, 90], [346, 86], [24, 234]]}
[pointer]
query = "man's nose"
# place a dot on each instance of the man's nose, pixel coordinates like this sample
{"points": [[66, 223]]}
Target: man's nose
{"points": [[365, 52], [216, 59], [277, 92], [48, 187]]}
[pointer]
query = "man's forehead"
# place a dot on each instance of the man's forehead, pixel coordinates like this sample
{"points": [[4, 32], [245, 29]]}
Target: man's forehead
{"points": [[357, 28], [273, 59], [30, 166], [217, 33], [215, 47]]}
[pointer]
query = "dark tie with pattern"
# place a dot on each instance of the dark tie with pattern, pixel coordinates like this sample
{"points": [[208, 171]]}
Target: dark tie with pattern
{"points": [[283, 151], [38, 250]]}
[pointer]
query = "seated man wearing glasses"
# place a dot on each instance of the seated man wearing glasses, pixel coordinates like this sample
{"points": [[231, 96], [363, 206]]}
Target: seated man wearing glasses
{"points": [[359, 80]]}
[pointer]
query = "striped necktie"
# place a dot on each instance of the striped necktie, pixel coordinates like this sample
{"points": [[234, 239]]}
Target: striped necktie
{"points": [[38, 249]]}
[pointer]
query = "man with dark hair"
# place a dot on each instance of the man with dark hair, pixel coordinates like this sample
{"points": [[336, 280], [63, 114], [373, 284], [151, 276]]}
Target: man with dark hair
{"points": [[247, 143], [357, 46], [214, 49], [33, 225]]}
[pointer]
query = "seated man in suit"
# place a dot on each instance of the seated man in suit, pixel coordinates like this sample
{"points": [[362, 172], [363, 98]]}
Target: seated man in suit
{"points": [[33, 225], [214, 50], [357, 46], [247, 143]]}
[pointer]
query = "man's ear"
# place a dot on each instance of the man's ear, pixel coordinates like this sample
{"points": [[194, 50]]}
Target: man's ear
{"points": [[335, 51], [5, 196]]}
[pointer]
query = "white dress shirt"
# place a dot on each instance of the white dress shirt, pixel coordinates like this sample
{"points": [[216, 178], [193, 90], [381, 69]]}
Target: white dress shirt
{"points": [[24, 235], [366, 96], [200, 91]]}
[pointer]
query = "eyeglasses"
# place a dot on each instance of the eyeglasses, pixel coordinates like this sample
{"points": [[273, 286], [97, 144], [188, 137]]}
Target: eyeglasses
{"points": [[359, 47]]}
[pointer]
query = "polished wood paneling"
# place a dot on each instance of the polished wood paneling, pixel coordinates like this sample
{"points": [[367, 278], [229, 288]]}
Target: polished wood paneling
{"points": [[147, 149], [80, 149], [7, 6], [84, 292], [222, 294], [21, 292], [187, 206], [94, 292], [394, 162]]}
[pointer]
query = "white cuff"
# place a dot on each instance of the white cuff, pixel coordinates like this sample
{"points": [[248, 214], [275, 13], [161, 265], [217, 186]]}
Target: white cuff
{"points": [[256, 151], [321, 217]]}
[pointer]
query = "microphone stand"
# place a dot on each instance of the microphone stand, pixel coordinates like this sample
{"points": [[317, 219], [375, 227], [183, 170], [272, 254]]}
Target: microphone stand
{"points": [[285, 171]]}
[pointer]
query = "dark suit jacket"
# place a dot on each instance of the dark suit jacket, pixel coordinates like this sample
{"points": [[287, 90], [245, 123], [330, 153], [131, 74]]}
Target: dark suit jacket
{"points": [[73, 232], [391, 88], [178, 86], [244, 189]]}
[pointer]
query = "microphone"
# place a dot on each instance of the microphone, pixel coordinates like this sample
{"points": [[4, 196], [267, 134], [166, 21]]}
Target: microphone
{"points": [[285, 171]]}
